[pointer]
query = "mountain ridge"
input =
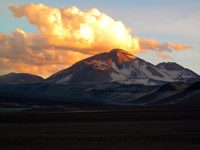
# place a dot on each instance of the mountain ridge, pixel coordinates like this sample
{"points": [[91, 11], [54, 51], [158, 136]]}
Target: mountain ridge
{"points": [[20, 78], [121, 66]]}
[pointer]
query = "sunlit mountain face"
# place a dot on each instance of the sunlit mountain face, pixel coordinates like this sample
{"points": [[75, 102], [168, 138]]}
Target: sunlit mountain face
{"points": [[121, 66]]}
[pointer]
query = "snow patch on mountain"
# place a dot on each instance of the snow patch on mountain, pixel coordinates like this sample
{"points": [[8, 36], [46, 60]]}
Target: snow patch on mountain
{"points": [[64, 80]]}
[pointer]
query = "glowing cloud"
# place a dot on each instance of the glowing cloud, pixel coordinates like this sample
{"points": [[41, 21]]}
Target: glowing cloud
{"points": [[164, 56], [67, 35], [23, 52], [178, 46], [89, 32]]}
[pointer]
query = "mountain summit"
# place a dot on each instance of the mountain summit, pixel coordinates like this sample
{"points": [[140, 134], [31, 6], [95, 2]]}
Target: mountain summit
{"points": [[121, 66]]}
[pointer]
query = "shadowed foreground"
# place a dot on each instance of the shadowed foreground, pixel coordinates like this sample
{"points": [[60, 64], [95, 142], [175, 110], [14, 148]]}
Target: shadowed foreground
{"points": [[125, 130]]}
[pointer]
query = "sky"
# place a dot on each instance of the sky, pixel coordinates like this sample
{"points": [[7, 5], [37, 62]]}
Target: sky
{"points": [[44, 36]]}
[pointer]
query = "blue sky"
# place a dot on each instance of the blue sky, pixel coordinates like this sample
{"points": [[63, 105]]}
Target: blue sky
{"points": [[175, 21]]}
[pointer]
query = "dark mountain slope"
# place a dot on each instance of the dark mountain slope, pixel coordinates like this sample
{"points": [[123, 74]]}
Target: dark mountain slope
{"points": [[20, 78]]}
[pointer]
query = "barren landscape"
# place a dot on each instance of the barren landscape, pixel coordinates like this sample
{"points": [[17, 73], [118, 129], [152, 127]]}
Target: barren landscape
{"points": [[146, 129]]}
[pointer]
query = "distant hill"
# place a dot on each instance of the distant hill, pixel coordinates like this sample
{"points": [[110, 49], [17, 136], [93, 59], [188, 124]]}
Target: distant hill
{"points": [[172, 94], [20, 78]]}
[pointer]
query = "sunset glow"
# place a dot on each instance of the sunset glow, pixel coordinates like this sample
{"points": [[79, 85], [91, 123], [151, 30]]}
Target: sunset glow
{"points": [[68, 35]]}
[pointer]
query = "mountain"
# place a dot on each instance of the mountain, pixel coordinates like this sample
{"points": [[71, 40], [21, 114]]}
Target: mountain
{"points": [[176, 71], [121, 66], [165, 91], [44, 95], [177, 93], [189, 96], [20, 78]]}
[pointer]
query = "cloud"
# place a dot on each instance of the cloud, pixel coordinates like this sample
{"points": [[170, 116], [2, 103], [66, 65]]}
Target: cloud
{"points": [[178, 46], [167, 46], [67, 35], [23, 52], [164, 56], [89, 32]]}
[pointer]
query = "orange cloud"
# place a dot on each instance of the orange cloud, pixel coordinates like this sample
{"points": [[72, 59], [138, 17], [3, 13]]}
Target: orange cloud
{"points": [[68, 35], [23, 52], [89, 32], [178, 46], [152, 44], [164, 56]]}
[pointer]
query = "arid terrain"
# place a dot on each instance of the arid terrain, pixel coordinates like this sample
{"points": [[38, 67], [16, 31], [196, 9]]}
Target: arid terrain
{"points": [[139, 129]]}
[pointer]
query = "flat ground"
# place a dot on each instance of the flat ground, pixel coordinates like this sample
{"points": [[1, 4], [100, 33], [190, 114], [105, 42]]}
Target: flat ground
{"points": [[110, 130]]}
